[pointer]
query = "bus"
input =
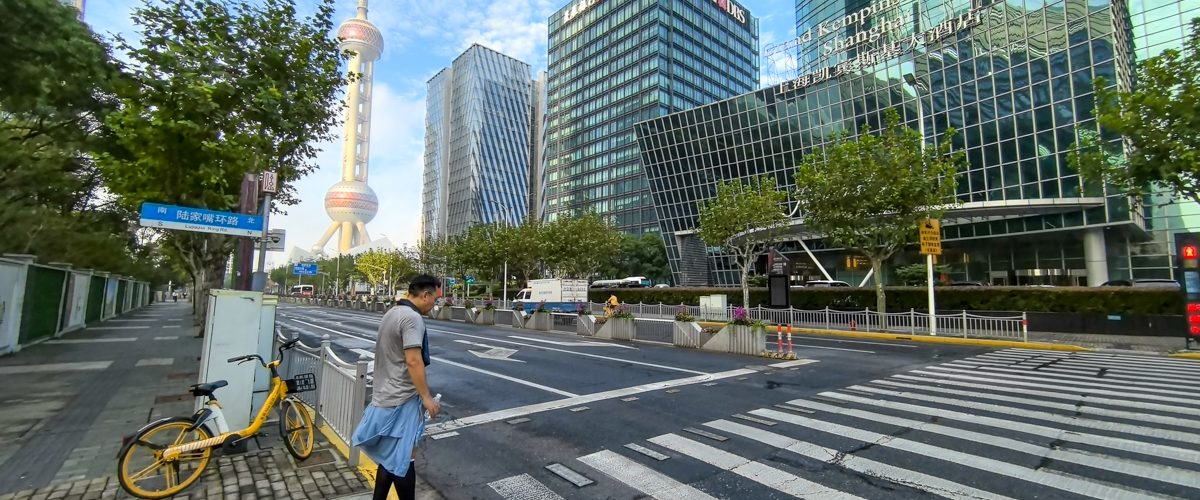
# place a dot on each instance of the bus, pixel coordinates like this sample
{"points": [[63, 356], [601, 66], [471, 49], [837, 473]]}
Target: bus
{"points": [[302, 291]]}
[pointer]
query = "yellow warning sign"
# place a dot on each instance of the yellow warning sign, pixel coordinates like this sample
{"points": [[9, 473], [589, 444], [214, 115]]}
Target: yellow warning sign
{"points": [[931, 237]]}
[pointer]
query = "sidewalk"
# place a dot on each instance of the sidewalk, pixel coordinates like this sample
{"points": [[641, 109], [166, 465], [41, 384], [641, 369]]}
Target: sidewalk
{"points": [[1139, 343], [68, 402]]}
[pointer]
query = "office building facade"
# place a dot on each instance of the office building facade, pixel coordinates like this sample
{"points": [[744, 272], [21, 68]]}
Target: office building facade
{"points": [[477, 143], [612, 64], [1014, 78]]}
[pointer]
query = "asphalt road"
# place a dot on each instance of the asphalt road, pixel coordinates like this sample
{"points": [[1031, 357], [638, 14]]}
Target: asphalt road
{"points": [[858, 419]]}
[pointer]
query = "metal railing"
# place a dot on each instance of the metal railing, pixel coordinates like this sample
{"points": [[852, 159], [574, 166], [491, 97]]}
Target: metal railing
{"points": [[341, 394], [958, 324]]}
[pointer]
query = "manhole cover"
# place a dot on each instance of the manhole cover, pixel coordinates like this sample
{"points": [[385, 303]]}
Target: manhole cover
{"points": [[172, 398]]}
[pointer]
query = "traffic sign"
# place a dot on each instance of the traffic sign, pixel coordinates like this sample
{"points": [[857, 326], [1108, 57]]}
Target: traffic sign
{"points": [[470, 280], [157, 215], [305, 269], [931, 237], [450, 280], [268, 182]]}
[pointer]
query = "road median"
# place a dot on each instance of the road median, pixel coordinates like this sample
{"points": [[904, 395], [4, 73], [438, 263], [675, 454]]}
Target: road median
{"points": [[1047, 346]]}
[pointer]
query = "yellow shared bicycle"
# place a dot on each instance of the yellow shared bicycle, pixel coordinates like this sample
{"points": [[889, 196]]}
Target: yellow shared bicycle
{"points": [[166, 456]]}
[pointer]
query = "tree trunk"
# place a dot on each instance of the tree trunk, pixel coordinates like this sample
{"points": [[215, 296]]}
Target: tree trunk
{"points": [[880, 299], [745, 285]]}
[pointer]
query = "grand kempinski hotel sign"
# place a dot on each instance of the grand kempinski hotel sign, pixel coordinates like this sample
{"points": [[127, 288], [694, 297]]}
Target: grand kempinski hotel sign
{"points": [[887, 34]]}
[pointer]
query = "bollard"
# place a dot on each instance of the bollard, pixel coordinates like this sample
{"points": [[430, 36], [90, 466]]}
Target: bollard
{"points": [[853, 325], [779, 338], [789, 338]]}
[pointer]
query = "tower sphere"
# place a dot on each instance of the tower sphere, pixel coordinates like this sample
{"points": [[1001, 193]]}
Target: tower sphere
{"points": [[351, 201], [359, 35]]}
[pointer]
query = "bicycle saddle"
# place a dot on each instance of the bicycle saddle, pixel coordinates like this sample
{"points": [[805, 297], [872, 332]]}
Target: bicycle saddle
{"points": [[207, 389]]}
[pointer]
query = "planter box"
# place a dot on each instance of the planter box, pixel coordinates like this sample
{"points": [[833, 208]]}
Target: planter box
{"points": [[472, 315], [617, 329], [541, 321], [738, 339], [441, 312], [586, 326], [687, 334], [518, 318], [485, 317]]}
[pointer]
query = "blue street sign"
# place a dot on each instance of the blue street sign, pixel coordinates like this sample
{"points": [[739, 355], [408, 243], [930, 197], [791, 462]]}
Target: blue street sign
{"points": [[200, 220], [305, 269], [451, 281], [470, 280]]}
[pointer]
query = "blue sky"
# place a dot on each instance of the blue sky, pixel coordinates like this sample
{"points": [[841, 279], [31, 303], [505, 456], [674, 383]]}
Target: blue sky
{"points": [[421, 38]]}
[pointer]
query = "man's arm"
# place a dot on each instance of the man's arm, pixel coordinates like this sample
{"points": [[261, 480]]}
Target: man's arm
{"points": [[416, 370]]}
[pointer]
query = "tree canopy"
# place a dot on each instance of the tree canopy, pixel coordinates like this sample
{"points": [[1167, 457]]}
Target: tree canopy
{"points": [[1159, 121], [869, 193], [215, 90], [738, 209]]}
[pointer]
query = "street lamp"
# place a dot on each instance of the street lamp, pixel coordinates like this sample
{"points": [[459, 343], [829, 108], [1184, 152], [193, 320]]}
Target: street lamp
{"points": [[919, 86], [323, 275]]}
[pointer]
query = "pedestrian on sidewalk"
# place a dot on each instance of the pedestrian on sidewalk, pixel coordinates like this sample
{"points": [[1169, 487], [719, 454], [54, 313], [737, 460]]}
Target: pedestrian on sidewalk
{"points": [[393, 421]]}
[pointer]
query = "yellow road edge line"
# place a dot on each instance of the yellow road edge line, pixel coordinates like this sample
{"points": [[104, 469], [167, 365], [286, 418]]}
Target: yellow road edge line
{"points": [[945, 340], [366, 467], [1186, 355]]}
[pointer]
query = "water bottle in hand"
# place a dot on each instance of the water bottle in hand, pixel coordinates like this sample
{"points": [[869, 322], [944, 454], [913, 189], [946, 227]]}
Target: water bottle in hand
{"points": [[436, 398]]}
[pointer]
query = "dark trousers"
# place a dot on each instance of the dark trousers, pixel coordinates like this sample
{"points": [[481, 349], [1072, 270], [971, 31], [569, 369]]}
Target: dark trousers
{"points": [[406, 485]]}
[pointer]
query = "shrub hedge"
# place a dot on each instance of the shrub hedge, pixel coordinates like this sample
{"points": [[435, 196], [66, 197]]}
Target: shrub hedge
{"points": [[1102, 300]]}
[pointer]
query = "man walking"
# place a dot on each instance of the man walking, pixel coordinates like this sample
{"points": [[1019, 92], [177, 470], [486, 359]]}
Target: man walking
{"points": [[393, 421]]}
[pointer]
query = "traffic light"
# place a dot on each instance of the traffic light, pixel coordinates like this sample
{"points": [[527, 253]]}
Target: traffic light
{"points": [[1188, 252], [1187, 271]]}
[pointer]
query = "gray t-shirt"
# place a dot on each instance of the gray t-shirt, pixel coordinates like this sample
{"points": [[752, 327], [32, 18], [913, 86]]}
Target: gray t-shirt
{"points": [[401, 328]]}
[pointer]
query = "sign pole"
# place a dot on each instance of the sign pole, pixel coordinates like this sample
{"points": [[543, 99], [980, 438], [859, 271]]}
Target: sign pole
{"points": [[268, 183], [932, 305]]}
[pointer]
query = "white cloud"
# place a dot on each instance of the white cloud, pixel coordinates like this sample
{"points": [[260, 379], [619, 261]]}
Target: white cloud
{"points": [[516, 28]]}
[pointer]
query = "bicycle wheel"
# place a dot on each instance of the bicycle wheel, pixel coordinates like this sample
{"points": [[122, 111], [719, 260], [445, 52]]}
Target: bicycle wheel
{"points": [[296, 428], [141, 469]]}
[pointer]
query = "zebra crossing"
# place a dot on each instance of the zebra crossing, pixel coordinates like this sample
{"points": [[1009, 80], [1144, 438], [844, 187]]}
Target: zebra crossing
{"points": [[1006, 424]]}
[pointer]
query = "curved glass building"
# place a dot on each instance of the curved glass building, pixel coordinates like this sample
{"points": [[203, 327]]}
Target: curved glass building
{"points": [[1014, 78]]}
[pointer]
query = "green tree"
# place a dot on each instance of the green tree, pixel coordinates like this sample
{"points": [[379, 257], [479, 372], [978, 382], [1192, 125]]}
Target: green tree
{"points": [[216, 90], [643, 255], [577, 246], [384, 268], [917, 274], [1159, 120], [738, 209], [869, 193]]}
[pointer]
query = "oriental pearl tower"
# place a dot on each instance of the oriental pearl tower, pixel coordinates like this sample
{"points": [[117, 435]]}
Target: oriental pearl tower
{"points": [[351, 203]]}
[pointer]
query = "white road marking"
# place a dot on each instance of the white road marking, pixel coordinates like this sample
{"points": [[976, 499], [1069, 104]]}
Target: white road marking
{"points": [[54, 367], [1073, 484], [1103, 389], [497, 353], [96, 328], [363, 353], [170, 326], [1053, 433], [808, 337], [749, 469], [444, 435], [522, 487], [639, 477], [1067, 378], [498, 415], [335, 332], [796, 362], [1103, 425], [1077, 402], [571, 344], [918, 480], [1090, 372], [647, 451], [121, 320], [1156, 472], [832, 348], [575, 478], [506, 377], [166, 338], [585, 354], [101, 340], [155, 362]]}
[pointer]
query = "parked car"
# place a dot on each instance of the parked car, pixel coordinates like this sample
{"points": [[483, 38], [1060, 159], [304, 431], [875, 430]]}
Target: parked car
{"points": [[662, 285], [966, 283], [825, 283], [1145, 283]]}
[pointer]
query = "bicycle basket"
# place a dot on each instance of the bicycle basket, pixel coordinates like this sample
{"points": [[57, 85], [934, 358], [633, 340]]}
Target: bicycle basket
{"points": [[302, 382]]}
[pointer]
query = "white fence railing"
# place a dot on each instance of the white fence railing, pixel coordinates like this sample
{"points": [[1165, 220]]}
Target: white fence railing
{"points": [[958, 324], [341, 387]]}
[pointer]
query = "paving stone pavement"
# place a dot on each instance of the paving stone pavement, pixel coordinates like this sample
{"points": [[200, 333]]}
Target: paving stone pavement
{"points": [[68, 401]]}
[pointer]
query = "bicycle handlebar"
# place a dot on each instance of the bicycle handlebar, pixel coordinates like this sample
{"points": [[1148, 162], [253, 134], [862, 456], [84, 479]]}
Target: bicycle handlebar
{"points": [[254, 357]]}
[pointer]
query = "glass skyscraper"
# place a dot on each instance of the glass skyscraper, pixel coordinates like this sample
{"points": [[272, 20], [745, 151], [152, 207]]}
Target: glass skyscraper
{"points": [[477, 143], [612, 64], [1013, 77]]}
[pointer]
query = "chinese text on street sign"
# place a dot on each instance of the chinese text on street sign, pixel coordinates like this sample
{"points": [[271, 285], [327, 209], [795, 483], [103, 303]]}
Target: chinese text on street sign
{"points": [[931, 237], [155, 215], [305, 269]]}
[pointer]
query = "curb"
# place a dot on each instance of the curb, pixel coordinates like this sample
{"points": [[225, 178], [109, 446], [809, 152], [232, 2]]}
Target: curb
{"points": [[367, 467], [1045, 346], [1186, 355]]}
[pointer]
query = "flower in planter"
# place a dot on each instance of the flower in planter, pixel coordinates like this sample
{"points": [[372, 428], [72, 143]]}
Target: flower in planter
{"points": [[601, 320], [741, 317], [449, 302], [583, 309], [621, 311], [468, 303], [683, 314], [488, 305], [541, 307]]}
